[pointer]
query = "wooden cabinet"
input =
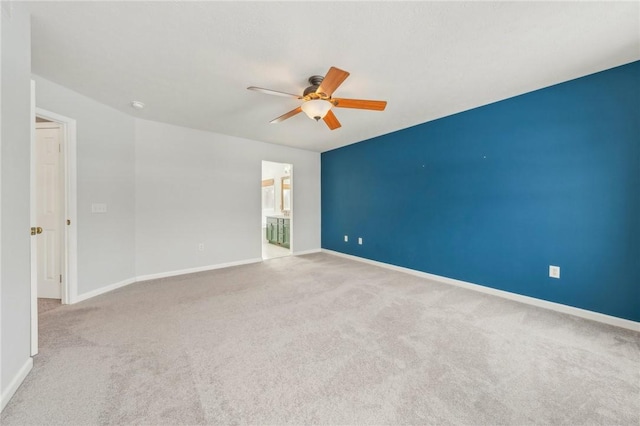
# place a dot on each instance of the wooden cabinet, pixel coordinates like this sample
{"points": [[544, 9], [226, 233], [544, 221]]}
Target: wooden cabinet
{"points": [[279, 231]]}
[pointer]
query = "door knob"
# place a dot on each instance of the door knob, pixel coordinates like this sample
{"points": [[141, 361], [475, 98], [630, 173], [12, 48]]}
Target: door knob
{"points": [[35, 230], [38, 230]]}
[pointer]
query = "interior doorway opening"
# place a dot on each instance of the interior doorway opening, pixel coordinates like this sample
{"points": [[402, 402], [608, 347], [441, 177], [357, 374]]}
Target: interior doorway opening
{"points": [[53, 213], [277, 209]]}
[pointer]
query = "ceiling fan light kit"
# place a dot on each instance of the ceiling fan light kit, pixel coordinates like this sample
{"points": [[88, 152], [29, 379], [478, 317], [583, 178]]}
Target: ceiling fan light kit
{"points": [[316, 109], [317, 100]]}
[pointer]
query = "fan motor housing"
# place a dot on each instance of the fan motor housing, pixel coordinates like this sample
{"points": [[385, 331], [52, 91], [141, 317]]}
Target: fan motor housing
{"points": [[315, 81]]}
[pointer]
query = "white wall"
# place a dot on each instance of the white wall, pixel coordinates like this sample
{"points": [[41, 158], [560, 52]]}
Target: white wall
{"points": [[200, 187], [167, 189], [14, 195], [105, 156]]}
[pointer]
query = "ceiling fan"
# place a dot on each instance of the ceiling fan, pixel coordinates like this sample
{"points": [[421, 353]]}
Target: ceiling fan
{"points": [[318, 100]]}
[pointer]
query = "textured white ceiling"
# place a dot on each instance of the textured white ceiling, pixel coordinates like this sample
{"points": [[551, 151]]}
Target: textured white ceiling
{"points": [[191, 62]]}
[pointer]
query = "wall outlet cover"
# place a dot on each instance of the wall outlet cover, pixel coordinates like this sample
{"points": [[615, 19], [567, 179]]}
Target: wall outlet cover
{"points": [[360, 240], [346, 238], [554, 271]]}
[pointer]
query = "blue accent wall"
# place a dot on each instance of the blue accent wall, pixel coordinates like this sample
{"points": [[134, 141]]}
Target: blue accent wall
{"points": [[496, 194]]}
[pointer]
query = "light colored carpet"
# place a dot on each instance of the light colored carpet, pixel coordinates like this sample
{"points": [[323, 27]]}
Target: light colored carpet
{"points": [[46, 305], [324, 340]]}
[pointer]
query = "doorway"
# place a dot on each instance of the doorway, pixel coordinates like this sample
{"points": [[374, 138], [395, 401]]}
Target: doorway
{"points": [[53, 213], [277, 209]]}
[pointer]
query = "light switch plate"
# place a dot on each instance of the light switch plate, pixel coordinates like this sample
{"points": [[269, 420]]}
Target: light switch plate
{"points": [[98, 208]]}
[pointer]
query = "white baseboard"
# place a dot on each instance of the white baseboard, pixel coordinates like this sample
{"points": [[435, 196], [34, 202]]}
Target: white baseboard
{"points": [[103, 290], [300, 253], [15, 383], [128, 281], [582, 313], [198, 269]]}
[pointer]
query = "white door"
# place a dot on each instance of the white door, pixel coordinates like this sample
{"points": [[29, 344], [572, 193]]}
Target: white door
{"points": [[49, 209]]}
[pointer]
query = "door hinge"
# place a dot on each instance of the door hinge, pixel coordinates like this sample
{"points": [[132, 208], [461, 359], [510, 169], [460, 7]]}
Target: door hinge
{"points": [[60, 278], [59, 148]]}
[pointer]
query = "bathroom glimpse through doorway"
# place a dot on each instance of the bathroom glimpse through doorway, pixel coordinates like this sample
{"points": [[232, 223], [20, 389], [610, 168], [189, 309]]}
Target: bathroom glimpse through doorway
{"points": [[277, 209]]}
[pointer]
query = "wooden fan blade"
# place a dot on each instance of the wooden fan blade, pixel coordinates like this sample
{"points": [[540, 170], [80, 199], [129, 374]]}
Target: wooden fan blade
{"points": [[287, 115], [332, 80], [360, 104], [331, 120], [274, 92]]}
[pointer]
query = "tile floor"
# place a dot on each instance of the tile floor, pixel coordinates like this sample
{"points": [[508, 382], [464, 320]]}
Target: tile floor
{"points": [[271, 251]]}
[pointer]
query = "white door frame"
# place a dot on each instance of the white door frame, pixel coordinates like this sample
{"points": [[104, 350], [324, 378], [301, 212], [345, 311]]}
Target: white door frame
{"points": [[69, 234]]}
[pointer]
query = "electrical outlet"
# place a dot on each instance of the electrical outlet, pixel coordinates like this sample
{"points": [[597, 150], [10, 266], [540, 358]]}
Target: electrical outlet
{"points": [[360, 240], [201, 247], [346, 238], [554, 271]]}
